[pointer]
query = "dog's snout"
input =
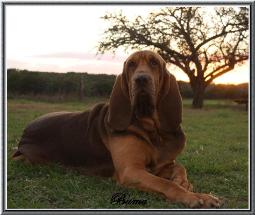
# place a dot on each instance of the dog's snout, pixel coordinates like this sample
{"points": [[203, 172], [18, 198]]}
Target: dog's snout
{"points": [[142, 79]]}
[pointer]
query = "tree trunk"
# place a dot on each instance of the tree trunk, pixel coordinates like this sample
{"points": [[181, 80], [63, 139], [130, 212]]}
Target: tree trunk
{"points": [[198, 95], [81, 90]]}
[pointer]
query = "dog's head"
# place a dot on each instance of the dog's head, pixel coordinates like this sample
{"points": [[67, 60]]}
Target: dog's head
{"points": [[145, 89]]}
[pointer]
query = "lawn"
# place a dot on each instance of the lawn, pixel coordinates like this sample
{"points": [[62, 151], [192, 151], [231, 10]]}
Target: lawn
{"points": [[216, 158]]}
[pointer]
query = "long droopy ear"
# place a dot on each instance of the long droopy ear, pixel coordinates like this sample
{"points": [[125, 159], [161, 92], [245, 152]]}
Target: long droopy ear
{"points": [[170, 104], [120, 107]]}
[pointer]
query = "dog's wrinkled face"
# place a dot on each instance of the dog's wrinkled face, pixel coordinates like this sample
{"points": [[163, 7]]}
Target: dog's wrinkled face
{"points": [[145, 89], [143, 70]]}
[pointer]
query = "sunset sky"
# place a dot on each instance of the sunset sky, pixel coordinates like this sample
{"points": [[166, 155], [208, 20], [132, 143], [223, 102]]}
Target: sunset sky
{"points": [[64, 39]]}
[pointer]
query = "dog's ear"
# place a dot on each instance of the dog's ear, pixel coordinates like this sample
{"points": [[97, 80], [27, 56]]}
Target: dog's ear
{"points": [[119, 116], [170, 104]]}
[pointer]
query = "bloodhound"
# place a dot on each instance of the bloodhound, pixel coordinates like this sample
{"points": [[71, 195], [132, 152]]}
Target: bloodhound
{"points": [[135, 138]]}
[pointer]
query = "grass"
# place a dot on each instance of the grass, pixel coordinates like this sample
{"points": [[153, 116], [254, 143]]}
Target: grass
{"points": [[216, 158]]}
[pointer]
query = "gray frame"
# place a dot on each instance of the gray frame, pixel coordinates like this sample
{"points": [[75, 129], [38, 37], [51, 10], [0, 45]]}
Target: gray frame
{"points": [[145, 211]]}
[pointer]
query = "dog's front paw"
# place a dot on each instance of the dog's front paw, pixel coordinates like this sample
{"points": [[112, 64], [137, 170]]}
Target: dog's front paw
{"points": [[201, 200]]}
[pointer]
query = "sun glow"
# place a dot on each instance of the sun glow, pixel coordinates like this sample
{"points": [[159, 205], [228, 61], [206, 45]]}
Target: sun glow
{"points": [[240, 74]]}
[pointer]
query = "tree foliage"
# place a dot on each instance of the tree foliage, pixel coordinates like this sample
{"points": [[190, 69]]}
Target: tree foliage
{"points": [[203, 45]]}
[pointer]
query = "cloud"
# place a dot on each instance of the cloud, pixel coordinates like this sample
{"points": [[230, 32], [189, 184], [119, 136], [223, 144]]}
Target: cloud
{"points": [[66, 62], [82, 56]]}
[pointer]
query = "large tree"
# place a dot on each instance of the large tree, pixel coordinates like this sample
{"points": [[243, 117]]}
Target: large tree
{"points": [[203, 44]]}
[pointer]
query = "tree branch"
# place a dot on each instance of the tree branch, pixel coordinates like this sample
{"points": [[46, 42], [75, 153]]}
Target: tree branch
{"points": [[222, 70]]}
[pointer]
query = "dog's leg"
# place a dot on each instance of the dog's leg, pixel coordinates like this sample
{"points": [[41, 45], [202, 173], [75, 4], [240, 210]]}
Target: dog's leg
{"points": [[176, 173], [30, 154], [18, 156], [139, 178], [130, 156], [179, 176]]}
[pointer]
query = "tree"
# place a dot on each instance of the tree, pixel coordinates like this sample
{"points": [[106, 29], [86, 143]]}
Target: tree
{"points": [[203, 45]]}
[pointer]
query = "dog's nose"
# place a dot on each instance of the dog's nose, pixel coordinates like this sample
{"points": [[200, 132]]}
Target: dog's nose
{"points": [[142, 79]]}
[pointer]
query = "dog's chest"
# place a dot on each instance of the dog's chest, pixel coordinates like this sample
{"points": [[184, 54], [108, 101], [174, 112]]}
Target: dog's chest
{"points": [[149, 129], [164, 150]]}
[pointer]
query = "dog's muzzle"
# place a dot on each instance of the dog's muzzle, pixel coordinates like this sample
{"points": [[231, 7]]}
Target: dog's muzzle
{"points": [[143, 95]]}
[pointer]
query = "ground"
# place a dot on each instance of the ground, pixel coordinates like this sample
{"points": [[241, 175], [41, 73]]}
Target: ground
{"points": [[216, 158]]}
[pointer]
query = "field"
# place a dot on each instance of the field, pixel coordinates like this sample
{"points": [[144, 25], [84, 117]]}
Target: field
{"points": [[216, 158]]}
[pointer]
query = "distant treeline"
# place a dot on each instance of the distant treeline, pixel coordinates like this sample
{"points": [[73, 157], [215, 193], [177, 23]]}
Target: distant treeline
{"points": [[80, 85], [23, 82]]}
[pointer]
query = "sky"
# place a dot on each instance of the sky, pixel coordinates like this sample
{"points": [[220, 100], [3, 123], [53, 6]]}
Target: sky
{"points": [[64, 39]]}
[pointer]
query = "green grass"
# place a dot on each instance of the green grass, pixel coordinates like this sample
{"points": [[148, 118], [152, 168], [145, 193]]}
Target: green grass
{"points": [[216, 158]]}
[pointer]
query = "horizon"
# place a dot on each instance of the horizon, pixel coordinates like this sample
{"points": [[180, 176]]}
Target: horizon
{"points": [[66, 39], [20, 70]]}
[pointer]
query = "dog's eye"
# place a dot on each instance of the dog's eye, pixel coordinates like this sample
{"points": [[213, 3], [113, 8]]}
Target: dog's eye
{"points": [[131, 64], [153, 62]]}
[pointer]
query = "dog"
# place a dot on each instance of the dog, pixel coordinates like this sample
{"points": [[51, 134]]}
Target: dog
{"points": [[135, 138]]}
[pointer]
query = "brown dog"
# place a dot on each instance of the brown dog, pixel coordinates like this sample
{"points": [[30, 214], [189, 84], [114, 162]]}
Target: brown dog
{"points": [[135, 138]]}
